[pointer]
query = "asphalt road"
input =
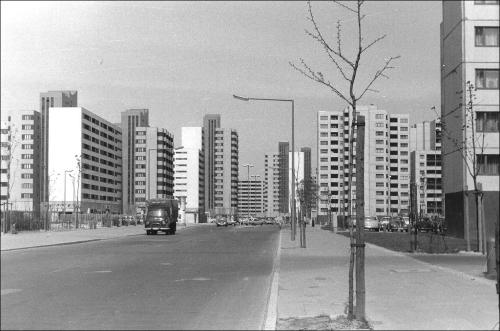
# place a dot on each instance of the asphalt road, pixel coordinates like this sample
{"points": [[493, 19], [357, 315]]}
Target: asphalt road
{"points": [[200, 278]]}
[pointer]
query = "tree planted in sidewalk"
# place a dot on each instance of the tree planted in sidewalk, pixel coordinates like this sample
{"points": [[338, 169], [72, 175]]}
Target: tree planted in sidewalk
{"points": [[348, 68]]}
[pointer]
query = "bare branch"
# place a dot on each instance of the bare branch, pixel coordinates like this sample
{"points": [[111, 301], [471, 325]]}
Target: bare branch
{"points": [[373, 42], [319, 37], [346, 7], [379, 73], [318, 77]]}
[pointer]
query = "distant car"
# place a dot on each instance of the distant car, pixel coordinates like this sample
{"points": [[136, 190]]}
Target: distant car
{"points": [[221, 222], [372, 223], [269, 221], [231, 222]]}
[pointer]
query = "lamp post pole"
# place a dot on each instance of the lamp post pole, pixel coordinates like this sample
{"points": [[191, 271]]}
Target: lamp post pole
{"points": [[64, 206], [294, 225]]}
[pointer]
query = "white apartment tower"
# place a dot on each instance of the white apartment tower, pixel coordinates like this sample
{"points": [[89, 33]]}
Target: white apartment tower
{"points": [[387, 174], [84, 162], [251, 198], [470, 55], [189, 173]]}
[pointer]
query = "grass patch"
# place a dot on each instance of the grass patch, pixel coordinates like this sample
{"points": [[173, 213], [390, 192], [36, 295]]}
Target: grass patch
{"points": [[427, 242], [321, 322]]}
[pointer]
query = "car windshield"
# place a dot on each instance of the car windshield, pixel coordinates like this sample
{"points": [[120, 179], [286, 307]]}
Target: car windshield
{"points": [[157, 212], [370, 218]]}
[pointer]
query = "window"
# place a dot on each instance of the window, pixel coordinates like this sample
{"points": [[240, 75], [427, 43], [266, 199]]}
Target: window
{"points": [[486, 35], [379, 133], [323, 142], [379, 125], [404, 120], [486, 2], [379, 150], [403, 136], [379, 116], [403, 144], [323, 126], [403, 128], [323, 118], [323, 134], [380, 142], [379, 158], [324, 159], [487, 122], [487, 78], [488, 164], [324, 151]]}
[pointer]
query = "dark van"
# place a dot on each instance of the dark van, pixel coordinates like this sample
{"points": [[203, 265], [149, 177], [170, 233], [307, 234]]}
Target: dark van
{"points": [[161, 215]]}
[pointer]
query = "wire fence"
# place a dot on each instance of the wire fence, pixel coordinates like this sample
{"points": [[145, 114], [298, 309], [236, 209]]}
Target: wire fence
{"points": [[12, 221]]}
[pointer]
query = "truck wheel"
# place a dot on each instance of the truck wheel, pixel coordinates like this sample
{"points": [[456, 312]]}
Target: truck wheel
{"points": [[148, 232], [155, 232]]}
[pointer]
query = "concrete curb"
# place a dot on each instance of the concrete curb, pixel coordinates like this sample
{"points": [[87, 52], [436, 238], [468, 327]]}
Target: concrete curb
{"points": [[271, 318]]}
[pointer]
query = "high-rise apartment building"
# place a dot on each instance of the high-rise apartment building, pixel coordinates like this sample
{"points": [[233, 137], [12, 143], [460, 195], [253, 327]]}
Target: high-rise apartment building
{"points": [[284, 179], [225, 171], [307, 179], [130, 120], [299, 169], [426, 168], [84, 162], [211, 122], [470, 53], [153, 171], [387, 173], [21, 136], [272, 184], [5, 148], [47, 100], [251, 198], [189, 174]]}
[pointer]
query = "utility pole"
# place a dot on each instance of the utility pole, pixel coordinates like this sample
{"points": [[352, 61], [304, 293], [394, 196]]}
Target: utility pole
{"points": [[360, 216]]}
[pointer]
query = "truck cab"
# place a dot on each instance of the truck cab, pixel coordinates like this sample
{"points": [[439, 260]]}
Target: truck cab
{"points": [[161, 215]]}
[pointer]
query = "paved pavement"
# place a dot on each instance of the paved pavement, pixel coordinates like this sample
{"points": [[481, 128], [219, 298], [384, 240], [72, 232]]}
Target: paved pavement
{"points": [[204, 277], [401, 291], [27, 239]]}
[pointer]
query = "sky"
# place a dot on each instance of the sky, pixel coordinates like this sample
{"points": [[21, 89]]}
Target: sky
{"points": [[184, 59]]}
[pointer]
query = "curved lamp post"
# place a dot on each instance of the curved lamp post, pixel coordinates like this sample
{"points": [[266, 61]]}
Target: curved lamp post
{"points": [[294, 225]]}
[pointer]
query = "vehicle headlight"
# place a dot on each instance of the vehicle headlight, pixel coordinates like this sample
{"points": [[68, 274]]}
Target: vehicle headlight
{"points": [[162, 222]]}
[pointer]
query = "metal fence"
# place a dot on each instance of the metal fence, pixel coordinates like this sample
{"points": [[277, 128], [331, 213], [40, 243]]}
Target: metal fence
{"points": [[13, 220]]}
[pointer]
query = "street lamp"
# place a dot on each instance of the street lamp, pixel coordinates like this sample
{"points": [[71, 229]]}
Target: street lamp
{"points": [[294, 226]]}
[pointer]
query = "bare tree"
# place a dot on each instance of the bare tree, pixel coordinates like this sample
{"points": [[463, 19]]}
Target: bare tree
{"points": [[349, 69], [471, 149]]}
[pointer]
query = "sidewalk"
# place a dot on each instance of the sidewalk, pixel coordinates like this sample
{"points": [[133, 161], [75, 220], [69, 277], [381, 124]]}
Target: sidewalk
{"points": [[29, 239], [401, 292]]}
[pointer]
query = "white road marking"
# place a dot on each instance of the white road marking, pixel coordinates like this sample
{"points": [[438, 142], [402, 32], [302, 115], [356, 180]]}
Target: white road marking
{"points": [[196, 279], [165, 263], [98, 272], [10, 290]]}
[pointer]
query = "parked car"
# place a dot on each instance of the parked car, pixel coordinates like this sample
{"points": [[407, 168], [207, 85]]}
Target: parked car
{"points": [[424, 224], [384, 222], [372, 223], [396, 224], [232, 222]]}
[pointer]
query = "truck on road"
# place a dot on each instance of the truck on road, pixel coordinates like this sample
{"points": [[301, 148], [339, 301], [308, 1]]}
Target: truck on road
{"points": [[161, 215]]}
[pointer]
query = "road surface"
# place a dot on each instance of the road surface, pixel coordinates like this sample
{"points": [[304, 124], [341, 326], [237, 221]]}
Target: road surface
{"points": [[200, 278]]}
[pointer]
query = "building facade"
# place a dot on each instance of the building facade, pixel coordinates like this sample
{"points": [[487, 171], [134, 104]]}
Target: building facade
{"points": [[251, 198], [211, 122], [386, 173], [130, 120], [86, 176], [189, 174], [426, 169], [47, 100], [272, 184], [284, 179], [225, 175], [21, 139], [154, 166], [470, 53]]}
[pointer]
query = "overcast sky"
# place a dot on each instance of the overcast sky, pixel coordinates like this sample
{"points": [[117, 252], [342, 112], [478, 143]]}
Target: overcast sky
{"points": [[182, 60]]}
